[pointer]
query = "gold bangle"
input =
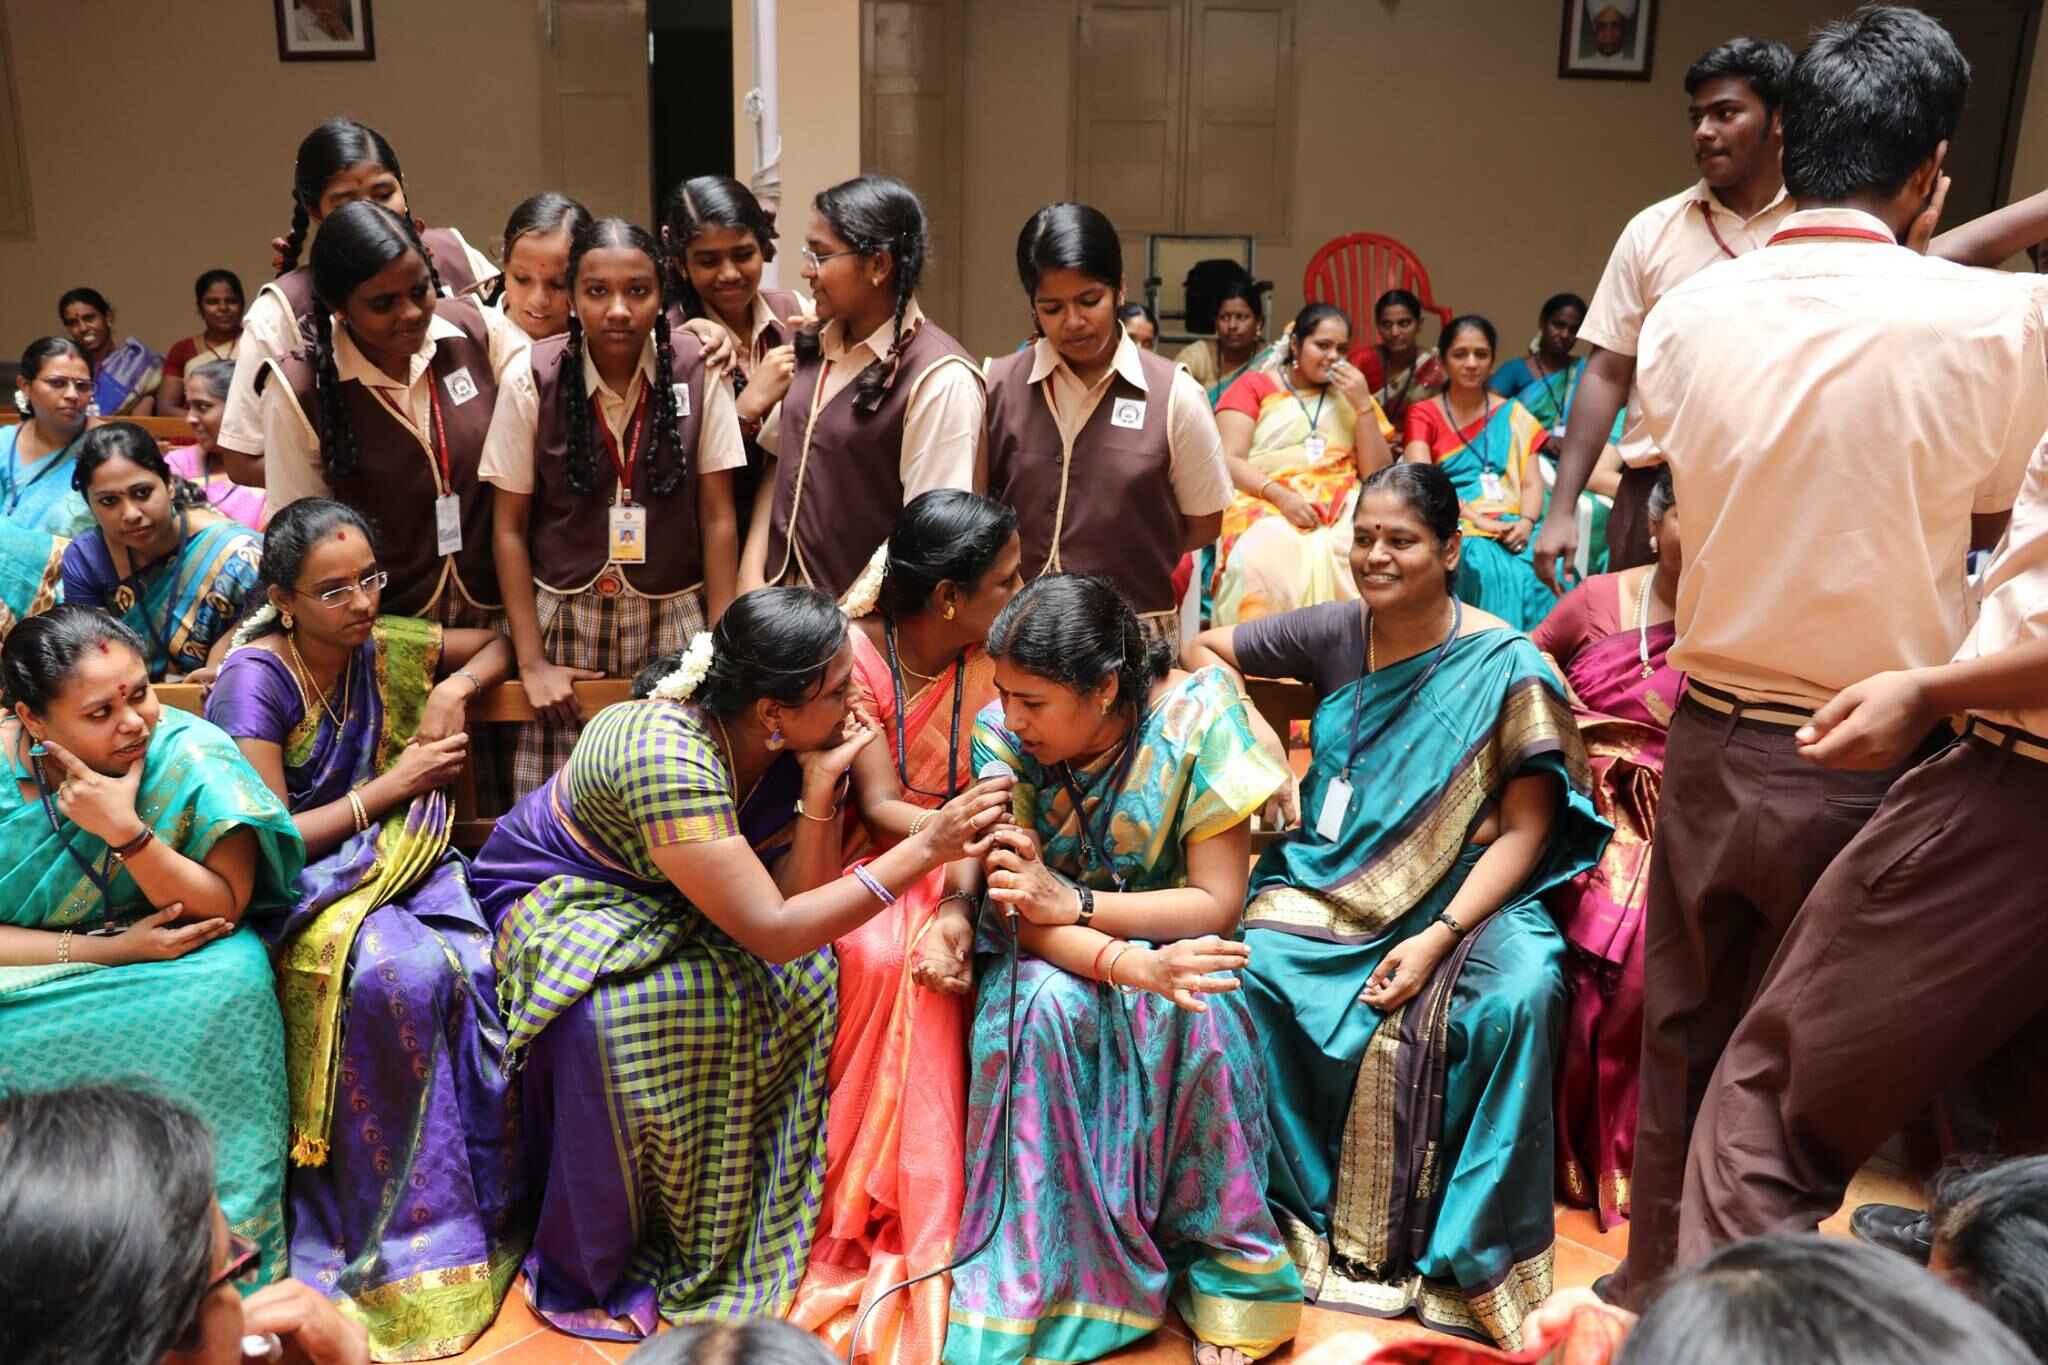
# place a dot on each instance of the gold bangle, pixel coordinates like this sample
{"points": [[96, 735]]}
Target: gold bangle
{"points": [[960, 896], [821, 819], [917, 825], [1115, 958], [355, 803], [64, 948]]}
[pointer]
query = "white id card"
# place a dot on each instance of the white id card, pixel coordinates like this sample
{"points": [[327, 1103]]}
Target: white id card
{"points": [[1336, 805], [682, 393], [629, 535], [447, 525], [1490, 486], [1316, 445]]}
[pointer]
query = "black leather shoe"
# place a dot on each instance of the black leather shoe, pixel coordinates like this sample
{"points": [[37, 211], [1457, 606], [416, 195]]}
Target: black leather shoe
{"points": [[1605, 1289], [1906, 1231]]}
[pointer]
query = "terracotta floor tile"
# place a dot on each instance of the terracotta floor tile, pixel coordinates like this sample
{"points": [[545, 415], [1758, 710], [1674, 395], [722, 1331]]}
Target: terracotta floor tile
{"points": [[1582, 1227], [549, 1347], [516, 1322]]}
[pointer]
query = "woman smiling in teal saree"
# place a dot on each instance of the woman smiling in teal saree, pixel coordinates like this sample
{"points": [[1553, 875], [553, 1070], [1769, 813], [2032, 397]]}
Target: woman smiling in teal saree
{"points": [[1407, 983], [135, 846]]}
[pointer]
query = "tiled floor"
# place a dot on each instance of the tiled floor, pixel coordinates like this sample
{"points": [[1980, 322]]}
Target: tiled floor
{"points": [[1583, 1252]]}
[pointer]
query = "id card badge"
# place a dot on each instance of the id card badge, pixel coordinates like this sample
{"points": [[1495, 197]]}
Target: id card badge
{"points": [[1315, 445], [447, 525], [629, 535], [1557, 431], [1336, 805], [1490, 486]]}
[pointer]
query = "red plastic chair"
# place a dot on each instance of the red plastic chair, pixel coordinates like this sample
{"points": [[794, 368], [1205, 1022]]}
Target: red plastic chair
{"points": [[1354, 270]]}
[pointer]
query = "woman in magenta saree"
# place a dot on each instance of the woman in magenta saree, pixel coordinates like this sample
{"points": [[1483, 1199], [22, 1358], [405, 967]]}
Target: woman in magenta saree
{"points": [[1609, 639], [406, 1181]]}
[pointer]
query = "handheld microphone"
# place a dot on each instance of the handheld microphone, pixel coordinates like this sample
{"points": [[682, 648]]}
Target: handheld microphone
{"points": [[995, 767]]}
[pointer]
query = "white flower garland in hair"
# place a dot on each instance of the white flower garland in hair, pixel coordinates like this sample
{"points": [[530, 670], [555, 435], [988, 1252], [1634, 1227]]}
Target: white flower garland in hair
{"points": [[255, 621], [682, 681], [860, 599]]}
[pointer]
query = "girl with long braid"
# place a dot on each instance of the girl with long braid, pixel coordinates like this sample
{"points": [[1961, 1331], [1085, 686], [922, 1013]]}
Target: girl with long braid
{"points": [[611, 456], [882, 405], [388, 409], [339, 162]]}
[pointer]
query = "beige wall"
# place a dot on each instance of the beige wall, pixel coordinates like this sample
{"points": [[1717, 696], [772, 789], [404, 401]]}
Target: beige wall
{"points": [[2030, 159], [818, 70], [181, 159], [1439, 122]]}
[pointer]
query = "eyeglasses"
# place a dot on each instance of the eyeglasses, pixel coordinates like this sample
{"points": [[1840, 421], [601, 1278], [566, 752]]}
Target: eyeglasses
{"points": [[369, 585], [817, 261], [243, 1258]]}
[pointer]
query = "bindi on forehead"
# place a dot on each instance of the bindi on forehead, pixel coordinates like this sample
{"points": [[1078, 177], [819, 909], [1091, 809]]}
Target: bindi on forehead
{"points": [[340, 536], [105, 648]]}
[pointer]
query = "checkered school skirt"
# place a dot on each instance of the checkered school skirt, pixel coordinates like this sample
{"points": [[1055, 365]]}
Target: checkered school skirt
{"points": [[490, 749], [616, 635]]}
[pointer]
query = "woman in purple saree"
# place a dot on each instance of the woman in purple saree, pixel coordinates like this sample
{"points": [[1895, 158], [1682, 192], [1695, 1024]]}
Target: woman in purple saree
{"points": [[1608, 639], [406, 1182]]}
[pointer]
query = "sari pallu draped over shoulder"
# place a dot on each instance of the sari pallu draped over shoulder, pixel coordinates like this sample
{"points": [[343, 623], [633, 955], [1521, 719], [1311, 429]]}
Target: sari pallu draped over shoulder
{"points": [[201, 1029], [1623, 718], [1137, 1173], [1413, 1151], [407, 1185], [181, 605], [896, 1124], [31, 573], [1489, 468]]}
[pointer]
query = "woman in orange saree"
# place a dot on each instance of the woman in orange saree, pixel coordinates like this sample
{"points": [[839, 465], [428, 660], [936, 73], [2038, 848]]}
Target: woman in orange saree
{"points": [[896, 1127]]}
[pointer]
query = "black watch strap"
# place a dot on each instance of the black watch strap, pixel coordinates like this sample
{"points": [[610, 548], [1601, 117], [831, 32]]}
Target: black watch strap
{"points": [[1087, 896]]}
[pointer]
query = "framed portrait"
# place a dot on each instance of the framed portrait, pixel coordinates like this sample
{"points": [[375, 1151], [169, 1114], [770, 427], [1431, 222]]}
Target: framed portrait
{"points": [[1607, 40], [325, 31]]}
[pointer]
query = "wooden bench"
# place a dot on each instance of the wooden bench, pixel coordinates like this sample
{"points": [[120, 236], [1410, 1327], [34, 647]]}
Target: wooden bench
{"points": [[1280, 702]]}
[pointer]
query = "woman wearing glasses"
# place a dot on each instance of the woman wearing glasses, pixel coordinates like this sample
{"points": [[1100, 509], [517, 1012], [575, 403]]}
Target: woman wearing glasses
{"points": [[134, 841], [110, 1199], [895, 1134], [392, 1035], [882, 405]]}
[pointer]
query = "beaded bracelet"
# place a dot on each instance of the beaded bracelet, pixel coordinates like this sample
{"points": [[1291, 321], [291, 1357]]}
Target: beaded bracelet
{"points": [[880, 891], [917, 825], [63, 947], [960, 896]]}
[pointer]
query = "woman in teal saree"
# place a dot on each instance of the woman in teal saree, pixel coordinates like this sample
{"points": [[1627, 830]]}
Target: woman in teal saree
{"points": [[1137, 1177], [1407, 983], [135, 843], [1546, 382], [1488, 446]]}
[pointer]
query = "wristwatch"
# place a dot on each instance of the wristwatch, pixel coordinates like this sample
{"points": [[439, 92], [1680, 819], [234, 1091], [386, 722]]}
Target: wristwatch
{"points": [[1087, 903]]}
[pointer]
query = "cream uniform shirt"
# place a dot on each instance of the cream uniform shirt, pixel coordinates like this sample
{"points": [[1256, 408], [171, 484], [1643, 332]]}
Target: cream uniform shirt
{"points": [[1201, 479], [942, 426], [268, 331], [1661, 248], [508, 449], [291, 447], [2015, 589], [1834, 409]]}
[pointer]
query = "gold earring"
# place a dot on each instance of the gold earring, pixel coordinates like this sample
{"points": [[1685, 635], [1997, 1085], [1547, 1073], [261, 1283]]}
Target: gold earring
{"points": [[285, 618], [948, 612]]}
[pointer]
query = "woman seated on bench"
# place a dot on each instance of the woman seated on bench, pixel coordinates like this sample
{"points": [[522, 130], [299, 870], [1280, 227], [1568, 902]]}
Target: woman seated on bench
{"points": [[1399, 934], [393, 1042]]}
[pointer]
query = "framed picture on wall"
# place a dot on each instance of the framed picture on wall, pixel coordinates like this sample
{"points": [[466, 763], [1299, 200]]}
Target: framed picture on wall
{"points": [[1607, 40], [325, 31]]}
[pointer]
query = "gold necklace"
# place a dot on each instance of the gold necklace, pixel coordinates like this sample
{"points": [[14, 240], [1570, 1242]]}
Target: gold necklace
{"points": [[732, 765], [309, 685]]}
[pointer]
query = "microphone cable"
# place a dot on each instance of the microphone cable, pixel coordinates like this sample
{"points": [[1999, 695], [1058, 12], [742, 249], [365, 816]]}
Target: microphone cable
{"points": [[1003, 1187]]}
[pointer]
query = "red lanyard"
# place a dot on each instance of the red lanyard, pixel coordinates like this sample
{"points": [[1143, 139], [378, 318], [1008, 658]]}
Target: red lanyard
{"points": [[440, 450], [1853, 234], [628, 464], [1707, 212]]}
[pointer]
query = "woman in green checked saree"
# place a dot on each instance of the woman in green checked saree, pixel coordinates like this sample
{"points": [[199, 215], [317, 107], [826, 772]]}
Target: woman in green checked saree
{"points": [[664, 908], [1407, 982], [136, 845]]}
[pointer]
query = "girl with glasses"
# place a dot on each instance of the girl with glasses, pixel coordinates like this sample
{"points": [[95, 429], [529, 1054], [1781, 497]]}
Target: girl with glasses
{"points": [[882, 404], [392, 1036]]}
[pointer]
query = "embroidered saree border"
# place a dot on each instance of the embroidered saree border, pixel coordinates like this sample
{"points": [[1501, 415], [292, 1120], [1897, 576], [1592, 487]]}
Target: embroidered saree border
{"points": [[1533, 720]]}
